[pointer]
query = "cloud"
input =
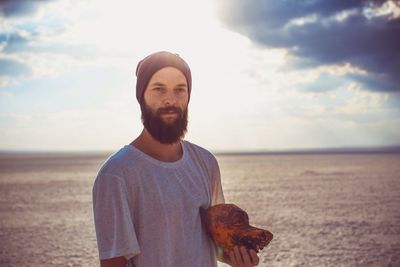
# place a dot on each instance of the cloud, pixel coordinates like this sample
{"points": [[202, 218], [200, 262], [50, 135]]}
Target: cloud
{"points": [[35, 42], [364, 34], [13, 68], [12, 8], [24, 55], [15, 42], [324, 82], [36, 47]]}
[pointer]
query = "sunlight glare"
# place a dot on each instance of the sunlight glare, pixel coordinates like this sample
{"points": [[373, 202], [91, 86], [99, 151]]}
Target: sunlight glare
{"points": [[132, 27]]}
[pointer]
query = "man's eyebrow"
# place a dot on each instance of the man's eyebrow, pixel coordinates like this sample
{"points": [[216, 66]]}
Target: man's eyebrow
{"points": [[161, 84], [157, 84]]}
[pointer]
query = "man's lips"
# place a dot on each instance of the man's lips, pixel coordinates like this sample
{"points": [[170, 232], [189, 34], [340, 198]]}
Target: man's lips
{"points": [[169, 111]]}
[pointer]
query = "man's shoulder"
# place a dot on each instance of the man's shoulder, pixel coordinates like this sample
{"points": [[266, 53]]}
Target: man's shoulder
{"points": [[200, 151], [118, 161]]}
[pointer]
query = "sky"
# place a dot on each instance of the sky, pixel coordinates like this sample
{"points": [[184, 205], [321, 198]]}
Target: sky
{"points": [[267, 75]]}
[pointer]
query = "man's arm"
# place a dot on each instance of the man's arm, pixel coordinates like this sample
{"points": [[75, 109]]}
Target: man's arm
{"points": [[114, 262], [112, 220]]}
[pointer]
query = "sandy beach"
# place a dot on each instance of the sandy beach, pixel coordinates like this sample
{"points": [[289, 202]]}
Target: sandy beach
{"points": [[324, 210]]}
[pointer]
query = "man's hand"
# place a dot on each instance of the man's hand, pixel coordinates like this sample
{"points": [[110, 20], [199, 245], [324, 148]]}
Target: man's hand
{"points": [[240, 257]]}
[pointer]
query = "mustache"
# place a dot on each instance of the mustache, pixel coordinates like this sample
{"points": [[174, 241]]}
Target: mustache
{"points": [[170, 109]]}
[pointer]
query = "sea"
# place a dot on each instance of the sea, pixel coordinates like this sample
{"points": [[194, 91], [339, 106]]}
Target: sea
{"points": [[324, 209]]}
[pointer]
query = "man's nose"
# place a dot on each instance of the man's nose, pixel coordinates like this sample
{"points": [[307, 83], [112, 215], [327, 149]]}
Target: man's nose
{"points": [[169, 98]]}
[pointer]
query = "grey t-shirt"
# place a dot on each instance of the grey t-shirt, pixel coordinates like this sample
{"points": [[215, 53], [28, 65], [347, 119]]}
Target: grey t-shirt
{"points": [[148, 210]]}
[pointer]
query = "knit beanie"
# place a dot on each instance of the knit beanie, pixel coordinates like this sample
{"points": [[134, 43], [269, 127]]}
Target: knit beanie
{"points": [[154, 62]]}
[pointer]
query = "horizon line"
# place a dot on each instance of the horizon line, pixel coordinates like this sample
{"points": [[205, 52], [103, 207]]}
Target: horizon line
{"points": [[322, 150]]}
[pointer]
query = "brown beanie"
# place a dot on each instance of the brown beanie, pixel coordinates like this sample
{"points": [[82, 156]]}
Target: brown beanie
{"points": [[154, 62]]}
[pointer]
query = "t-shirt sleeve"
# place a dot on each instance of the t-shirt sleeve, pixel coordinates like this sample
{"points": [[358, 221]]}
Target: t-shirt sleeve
{"points": [[112, 218], [217, 194]]}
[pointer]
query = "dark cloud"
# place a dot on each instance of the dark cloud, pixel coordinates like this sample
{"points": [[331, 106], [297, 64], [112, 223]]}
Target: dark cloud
{"points": [[368, 42], [10, 8], [10, 67]]}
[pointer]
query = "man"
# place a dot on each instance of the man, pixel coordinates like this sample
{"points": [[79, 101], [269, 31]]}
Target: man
{"points": [[147, 196]]}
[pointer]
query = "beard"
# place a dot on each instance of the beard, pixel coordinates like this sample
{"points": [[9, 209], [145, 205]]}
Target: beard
{"points": [[165, 132]]}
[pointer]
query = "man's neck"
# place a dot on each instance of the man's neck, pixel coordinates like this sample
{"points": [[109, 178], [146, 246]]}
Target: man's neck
{"points": [[162, 152]]}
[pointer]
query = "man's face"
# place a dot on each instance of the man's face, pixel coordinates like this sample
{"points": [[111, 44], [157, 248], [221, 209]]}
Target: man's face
{"points": [[164, 110]]}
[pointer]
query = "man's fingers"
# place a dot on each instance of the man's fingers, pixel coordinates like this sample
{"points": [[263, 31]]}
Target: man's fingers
{"points": [[254, 257], [238, 257], [245, 256], [232, 258], [241, 257]]}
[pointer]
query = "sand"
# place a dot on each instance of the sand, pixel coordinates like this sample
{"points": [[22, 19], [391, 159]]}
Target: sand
{"points": [[324, 210]]}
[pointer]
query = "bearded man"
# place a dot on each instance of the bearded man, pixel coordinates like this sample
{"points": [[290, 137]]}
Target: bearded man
{"points": [[147, 196]]}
